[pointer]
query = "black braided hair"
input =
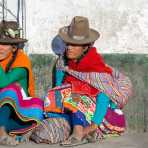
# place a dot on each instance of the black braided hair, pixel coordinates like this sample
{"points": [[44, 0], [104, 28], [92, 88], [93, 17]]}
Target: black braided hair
{"points": [[8, 67]]}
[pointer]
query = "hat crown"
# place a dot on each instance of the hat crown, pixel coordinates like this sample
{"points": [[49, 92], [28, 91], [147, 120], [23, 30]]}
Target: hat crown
{"points": [[9, 24], [78, 32], [9, 29], [79, 28]]}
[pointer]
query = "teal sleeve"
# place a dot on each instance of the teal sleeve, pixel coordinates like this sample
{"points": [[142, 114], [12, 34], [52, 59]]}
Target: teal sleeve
{"points": [[14, 75], [102, 103]]}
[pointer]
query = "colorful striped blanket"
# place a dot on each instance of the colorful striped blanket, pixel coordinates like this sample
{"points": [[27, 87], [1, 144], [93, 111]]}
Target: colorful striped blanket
{"points": [[117, 86], [26, 110]]}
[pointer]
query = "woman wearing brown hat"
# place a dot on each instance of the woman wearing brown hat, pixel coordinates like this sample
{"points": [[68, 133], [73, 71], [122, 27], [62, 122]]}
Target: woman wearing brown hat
{"points": [[17, 115], [85, 67]]}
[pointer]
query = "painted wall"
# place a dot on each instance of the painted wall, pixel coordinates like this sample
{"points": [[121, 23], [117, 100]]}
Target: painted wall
{"points": [[123, 24]]}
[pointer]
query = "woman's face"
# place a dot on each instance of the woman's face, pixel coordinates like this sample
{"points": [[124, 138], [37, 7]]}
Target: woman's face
{"points": [[73, 52], [5, 51]]}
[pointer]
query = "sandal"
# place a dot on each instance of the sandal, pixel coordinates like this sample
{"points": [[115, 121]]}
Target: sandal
{"points": [[74, 141], [95, 136]]}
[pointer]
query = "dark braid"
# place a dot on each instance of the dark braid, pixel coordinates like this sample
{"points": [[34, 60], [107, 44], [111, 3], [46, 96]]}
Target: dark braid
{"points": [[12, 60]]}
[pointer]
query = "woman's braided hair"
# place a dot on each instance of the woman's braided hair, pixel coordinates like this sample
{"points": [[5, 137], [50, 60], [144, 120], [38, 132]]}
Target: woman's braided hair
{"points": [[8, 67]]}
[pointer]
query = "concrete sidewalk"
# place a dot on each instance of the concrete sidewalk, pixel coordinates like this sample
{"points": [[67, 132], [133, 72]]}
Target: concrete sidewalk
{"points": [[128, 140]]}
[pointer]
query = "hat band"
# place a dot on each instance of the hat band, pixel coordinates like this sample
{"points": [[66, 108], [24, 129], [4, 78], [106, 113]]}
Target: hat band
{"points": [[10, 33], [76, 37]]}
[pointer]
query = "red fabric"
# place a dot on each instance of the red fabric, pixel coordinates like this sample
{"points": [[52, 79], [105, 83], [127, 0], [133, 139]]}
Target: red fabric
{"points": [[91, 62]]}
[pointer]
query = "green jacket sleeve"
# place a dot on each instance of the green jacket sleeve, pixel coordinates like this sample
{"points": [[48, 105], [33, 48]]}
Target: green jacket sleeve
{"points": [[15, 75]]}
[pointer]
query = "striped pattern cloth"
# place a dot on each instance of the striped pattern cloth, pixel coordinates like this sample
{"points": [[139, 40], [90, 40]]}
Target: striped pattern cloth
{"points": [[117, 86], [51, 130]]}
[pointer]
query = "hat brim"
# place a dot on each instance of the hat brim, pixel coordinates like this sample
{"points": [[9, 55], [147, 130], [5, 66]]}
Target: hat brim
{"points": [[93, 36], [12, 41]]}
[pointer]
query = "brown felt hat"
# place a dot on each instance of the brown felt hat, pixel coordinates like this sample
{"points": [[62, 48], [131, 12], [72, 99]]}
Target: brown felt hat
{"points": [[10, 33], [78, 32]]}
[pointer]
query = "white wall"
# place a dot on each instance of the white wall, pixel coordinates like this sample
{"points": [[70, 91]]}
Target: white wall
{"points": [[123, 24]]}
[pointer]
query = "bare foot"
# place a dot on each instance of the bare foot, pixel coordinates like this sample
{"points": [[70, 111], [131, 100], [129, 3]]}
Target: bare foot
{"points": [[5, 139], [2, 131], [89, 129]]}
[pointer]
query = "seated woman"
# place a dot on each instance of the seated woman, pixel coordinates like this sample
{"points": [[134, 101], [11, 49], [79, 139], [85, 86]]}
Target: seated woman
{"points": [[85, 70], [19, 112]]}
